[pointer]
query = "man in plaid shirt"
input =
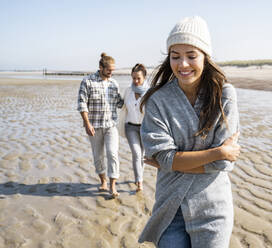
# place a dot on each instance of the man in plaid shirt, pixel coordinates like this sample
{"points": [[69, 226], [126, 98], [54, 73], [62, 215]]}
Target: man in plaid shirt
{"points": [[98, 99]]}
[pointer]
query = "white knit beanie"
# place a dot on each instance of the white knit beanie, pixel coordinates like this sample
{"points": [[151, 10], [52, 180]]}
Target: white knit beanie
{"points": [[191, 31]]}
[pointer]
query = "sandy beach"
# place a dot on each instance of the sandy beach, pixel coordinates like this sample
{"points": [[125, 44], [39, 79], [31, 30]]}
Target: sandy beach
{"points": [[49, 194], [252, 77]]}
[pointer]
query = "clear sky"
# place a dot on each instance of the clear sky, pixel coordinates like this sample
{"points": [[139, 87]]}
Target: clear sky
{"points": [[71, 34]]}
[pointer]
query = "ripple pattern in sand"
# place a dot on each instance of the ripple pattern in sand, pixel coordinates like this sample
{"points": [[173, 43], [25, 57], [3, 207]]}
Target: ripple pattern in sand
{"points": [[252, 175], [46, 169], [49, 191]]}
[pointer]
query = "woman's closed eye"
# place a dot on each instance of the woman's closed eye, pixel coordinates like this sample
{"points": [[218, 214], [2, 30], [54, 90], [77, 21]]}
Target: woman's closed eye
{"points": [[189, 57], [192, 57], [175, 58]]}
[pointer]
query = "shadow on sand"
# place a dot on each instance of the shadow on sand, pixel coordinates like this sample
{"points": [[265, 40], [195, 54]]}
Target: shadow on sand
{"points": [[53, 189]]}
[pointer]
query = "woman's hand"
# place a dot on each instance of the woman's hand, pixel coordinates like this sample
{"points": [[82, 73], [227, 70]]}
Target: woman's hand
{"points": [[230, 148], [152, 162], [194, 161]]}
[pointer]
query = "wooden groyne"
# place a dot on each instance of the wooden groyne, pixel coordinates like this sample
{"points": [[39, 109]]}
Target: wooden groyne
{"points": [[117, 72], [65, 73]]}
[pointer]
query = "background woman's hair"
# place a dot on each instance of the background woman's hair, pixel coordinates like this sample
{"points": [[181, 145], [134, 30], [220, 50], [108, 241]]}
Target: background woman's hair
{"points": [[210, 90], [106, 60], [139, 67]]}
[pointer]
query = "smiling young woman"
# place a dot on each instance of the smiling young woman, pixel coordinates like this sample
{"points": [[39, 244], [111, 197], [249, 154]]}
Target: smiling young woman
{"points": [[187, 64], [133, 120], [190, 132]]}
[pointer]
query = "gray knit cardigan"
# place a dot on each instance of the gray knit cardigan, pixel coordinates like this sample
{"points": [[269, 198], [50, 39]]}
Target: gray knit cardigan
{"points": [[169, 125]]}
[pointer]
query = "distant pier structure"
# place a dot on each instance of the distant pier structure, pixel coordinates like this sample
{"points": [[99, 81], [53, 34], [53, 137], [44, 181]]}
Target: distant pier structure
{"points": [[65, 73], [44, 71]]}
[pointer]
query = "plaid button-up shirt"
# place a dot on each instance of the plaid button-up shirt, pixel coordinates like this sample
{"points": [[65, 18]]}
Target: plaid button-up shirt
{"points": [[100, 99]]}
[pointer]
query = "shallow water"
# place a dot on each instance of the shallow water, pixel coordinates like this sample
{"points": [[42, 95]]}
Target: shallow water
{"points": [[122, 79], [39, 76], [255, 117]]}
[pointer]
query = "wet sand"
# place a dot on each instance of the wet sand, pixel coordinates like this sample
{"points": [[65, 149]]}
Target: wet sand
{"points": [[49, 190], [252, 77]]}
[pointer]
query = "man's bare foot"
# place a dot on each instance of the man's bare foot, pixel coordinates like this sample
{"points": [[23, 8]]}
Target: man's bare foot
{"points": [[114, 193], [113, 190], [104, 185]]}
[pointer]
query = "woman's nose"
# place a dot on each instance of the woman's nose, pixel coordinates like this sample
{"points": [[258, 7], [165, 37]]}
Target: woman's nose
{"points": [[183, 62]]}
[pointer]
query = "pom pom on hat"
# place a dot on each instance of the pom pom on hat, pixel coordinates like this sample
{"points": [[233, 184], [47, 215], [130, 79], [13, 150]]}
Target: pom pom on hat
{"points": [[191, 31]]}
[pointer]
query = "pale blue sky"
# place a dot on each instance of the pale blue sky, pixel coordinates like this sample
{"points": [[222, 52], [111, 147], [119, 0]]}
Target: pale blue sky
{"points": [[71, 34]]}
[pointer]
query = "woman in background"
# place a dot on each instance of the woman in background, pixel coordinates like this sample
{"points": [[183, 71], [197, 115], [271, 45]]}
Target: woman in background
{"points": [[190, 132], [133, 120]]}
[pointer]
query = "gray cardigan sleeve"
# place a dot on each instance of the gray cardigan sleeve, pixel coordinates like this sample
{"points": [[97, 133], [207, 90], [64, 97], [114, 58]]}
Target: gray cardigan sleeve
{"points": [[156, 138], [223, 131]]}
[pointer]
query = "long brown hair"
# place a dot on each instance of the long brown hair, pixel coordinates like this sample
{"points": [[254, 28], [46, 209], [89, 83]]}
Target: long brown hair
{"points": [[210, 91]]}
